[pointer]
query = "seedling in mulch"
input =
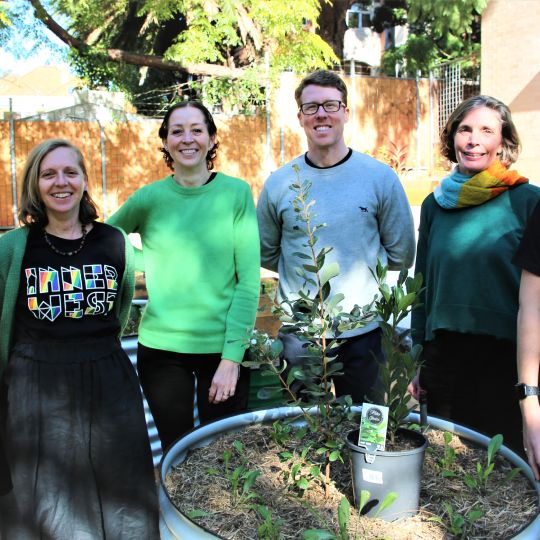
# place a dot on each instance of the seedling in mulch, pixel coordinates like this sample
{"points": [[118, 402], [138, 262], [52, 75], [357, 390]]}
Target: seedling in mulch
{"points": [[241, 479], [456, 524], [479, 480], [269, 529], [447, 461], [282, 433], [302, 471], [343, 522], [194, 514]]}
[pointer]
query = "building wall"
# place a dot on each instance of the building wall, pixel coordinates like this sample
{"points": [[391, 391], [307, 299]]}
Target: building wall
{"points": [[511, 70]]}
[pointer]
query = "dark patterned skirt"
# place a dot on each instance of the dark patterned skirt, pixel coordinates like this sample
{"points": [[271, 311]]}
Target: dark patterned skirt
{"points": [[76, 445]]}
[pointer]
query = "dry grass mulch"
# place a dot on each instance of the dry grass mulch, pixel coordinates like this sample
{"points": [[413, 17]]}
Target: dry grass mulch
{"points": [[201, 487]]}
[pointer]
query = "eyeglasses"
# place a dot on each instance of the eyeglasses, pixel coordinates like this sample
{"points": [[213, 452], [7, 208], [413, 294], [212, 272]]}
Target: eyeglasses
{"points": [[329, 106]]}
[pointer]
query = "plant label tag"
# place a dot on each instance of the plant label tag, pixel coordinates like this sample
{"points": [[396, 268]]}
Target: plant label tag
{"points": [[373, 426]]}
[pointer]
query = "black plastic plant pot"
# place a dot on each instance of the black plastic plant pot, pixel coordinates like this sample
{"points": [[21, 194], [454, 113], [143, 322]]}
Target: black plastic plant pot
{"points": [[382, 472]]}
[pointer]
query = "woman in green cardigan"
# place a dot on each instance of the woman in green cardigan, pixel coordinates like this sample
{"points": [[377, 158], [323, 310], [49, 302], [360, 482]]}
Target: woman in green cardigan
{"points": [[470, 229], [71, 413]]}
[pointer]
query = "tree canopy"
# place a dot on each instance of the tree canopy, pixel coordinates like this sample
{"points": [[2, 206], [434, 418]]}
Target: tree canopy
{"points": [[138, 45], [439, 31], [226, 51]]}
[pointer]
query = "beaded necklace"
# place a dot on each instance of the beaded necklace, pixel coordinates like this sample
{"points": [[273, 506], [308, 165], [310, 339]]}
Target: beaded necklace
{"points": [[66, 253]]}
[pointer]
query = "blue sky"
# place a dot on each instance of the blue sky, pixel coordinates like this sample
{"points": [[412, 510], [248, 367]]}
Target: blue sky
{"points": [[29, 44]]}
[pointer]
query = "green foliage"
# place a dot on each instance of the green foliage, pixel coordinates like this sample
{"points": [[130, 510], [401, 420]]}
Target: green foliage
{"points": [[446, 16], [458, 525], [5, 18], [439, 31], [303, 472], [263, 37], [344, 512], [315, 316], [243, 95], [479, 481], [386, 502], [392, 306], [447, 461], [268, 529], [241, 479]]}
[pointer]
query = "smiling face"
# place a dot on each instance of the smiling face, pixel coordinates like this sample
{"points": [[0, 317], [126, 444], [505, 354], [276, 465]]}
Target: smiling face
{"points": [[478, 140], [324, 131], [61, 183], [188, 140]]}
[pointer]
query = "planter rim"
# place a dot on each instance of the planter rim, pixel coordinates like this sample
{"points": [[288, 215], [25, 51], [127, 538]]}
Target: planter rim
{"points": [[203, 435]]}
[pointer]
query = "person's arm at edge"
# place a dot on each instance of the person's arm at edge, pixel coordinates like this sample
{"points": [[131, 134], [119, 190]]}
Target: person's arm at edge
{"points": [[397, 227], [243, 310], [418, 315], [127, 287], [528, 363], [127, 218], [270, 231]]}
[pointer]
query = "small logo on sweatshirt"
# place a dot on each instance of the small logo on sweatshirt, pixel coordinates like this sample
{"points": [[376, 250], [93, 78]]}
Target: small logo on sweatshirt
{"points": [[363, 209]]}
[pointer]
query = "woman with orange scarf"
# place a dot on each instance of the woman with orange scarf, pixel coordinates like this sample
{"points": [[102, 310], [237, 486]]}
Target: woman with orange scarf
{"points": [[470, 228]]}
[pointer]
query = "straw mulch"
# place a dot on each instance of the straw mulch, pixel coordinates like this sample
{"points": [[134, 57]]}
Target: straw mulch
{"points": [[200, 487]]}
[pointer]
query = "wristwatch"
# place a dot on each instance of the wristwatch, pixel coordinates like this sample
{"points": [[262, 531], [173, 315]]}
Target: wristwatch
{"points": [[524, 390]]}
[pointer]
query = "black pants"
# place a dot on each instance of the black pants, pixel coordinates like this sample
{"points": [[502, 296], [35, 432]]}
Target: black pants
{"points": [[361, 357], [168, 382], [470, 380]]}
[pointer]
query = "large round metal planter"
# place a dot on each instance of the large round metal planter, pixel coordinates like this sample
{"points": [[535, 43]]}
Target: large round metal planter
{"points": [[175, 526]]}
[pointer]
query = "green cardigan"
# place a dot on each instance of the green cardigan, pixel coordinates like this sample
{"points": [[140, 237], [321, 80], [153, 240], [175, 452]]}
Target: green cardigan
{"points": [[12, 247], [465, 256]]}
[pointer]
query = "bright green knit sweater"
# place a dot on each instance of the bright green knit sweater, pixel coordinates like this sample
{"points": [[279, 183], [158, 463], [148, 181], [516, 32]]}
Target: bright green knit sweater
{"points": [[202, 264], [465, 256], [12, 248]]}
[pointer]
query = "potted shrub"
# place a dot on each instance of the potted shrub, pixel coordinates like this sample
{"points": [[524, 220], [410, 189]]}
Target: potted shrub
{"points": [[378, 466]]}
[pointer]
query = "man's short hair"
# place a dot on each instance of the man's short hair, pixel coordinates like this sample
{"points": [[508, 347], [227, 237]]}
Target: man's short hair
{"points": [[322, 77]]}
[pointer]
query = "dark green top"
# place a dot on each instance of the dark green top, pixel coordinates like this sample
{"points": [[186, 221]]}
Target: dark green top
{"points": [[465, 255]]}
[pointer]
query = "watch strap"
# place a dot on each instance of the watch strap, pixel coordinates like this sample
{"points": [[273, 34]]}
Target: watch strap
{"points": [[525, 390]]}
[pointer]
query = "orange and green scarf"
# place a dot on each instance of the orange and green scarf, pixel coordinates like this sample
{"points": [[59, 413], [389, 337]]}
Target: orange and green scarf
{"points": [[460, 191]]}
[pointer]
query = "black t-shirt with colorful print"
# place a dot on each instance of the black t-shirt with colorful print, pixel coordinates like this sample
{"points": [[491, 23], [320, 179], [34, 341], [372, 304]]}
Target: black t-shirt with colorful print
{"points": [[70, 297]]}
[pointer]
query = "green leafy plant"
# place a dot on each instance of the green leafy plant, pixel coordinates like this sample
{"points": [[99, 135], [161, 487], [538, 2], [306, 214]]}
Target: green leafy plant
{"points": [[479, 480], [241, 479], [457, 524], [344, 513], [315, 316], [302, 471], [447, 461], [269, 529], [392, 306]]}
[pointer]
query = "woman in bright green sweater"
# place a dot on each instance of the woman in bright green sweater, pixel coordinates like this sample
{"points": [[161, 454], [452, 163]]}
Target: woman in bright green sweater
{"points": [[201, 259], [470, 228]]}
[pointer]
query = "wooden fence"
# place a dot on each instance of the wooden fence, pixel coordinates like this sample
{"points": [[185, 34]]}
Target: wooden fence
{"points": [[123, 156]]}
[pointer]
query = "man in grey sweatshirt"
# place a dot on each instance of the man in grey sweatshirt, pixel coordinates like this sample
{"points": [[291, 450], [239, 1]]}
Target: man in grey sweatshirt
{"points": [[367, 217]]}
